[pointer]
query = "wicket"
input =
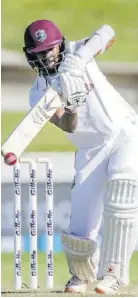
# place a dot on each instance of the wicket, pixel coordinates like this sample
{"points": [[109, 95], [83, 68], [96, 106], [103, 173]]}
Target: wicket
{"points": [[33, 221]]}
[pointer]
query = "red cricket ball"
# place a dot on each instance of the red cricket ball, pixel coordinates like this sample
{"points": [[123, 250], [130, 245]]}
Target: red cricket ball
{"points": [[10, 159]]}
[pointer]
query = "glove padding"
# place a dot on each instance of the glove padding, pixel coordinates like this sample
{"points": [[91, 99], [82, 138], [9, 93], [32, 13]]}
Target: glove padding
{"points": [[74, 91], [74, 65]]}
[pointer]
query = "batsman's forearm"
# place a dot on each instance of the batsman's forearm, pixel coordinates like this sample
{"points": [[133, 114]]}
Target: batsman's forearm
{"points": [[100, 41], [68, 122]]}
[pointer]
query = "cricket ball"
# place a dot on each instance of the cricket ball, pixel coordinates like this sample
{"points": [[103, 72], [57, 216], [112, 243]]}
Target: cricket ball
{"points": [[10, 159]]}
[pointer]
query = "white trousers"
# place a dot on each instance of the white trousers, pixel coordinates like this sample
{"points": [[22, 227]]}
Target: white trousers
{"points": [[121, 162]]}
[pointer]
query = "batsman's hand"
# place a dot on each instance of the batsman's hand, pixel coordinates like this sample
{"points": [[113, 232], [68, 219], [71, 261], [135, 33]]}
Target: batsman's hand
{"points": [[74, 91], [74, 65]]}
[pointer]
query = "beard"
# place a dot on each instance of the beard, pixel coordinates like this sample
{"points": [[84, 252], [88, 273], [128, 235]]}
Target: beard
{"points": [[51, 61]]}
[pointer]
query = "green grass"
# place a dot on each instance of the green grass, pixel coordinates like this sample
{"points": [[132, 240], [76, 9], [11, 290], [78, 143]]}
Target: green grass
{"points": [[76, 19], [61, 274], [50, 137], [60, 270]]}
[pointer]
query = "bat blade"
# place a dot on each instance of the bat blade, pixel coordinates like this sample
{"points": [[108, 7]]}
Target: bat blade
{"points": [[32, 123]]}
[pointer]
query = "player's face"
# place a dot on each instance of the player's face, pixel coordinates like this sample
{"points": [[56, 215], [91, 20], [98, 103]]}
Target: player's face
{"points": [[50, 57]]}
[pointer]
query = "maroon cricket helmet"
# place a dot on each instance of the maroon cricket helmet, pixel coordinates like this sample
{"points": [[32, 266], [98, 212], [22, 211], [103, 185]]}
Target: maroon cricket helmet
{"points": [[41, 36]]}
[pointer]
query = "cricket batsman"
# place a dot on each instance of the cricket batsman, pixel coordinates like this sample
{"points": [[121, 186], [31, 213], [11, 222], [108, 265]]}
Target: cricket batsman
{"points": [[104, 128]]}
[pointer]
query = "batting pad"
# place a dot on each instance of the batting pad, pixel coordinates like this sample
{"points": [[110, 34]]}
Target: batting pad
{"points": [[120, 229], [80, 254]]}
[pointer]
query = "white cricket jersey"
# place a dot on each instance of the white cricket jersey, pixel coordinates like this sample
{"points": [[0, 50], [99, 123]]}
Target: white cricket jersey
{"points": [[104, 113]]}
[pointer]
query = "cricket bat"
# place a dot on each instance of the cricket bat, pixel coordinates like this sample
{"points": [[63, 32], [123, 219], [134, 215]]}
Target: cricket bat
{"points": [[32, 123]]}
